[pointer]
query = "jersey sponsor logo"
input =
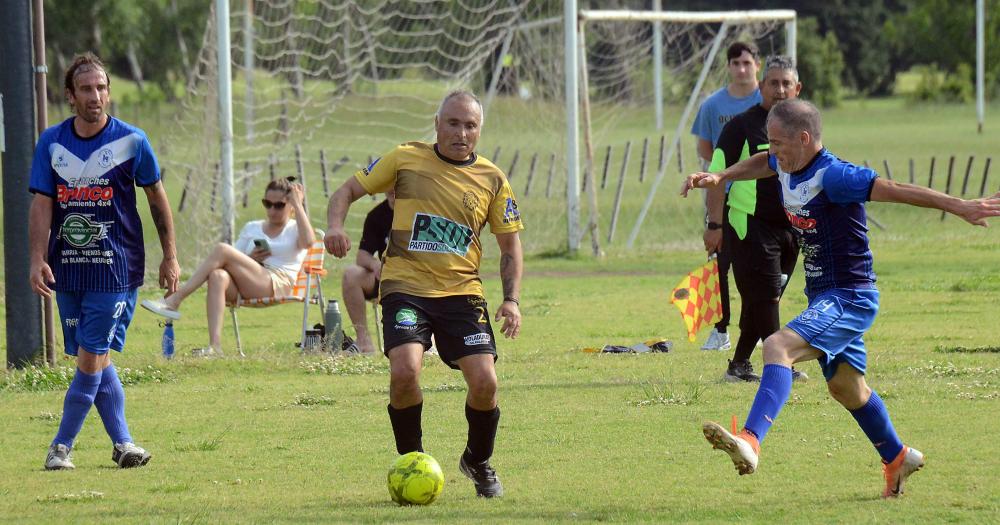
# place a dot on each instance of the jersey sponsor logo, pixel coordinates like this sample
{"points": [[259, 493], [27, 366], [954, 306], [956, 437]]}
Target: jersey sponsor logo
{"points": [[477, 339], [435, 234], [368, 169], [80, 232], [85, 196], [510, 213], [72, 322], [800, 223]]}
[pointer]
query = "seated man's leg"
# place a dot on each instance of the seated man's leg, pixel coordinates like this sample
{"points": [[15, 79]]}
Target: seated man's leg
{"points": [[357, 286]]}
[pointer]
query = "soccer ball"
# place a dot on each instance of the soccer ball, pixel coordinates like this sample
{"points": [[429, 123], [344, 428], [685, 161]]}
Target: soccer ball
{"points": [[415, 478]]}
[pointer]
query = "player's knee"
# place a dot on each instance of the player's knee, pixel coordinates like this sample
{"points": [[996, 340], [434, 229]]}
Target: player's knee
{"points": [[775, 352], [404, 378], [850, 394], [483, 387]]}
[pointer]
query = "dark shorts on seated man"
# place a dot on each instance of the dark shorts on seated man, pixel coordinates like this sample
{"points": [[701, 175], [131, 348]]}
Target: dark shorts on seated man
{"points": [[459, 323]]}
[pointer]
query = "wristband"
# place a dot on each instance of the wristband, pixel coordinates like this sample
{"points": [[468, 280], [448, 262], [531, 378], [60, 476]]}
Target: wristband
{"points": [[511, 300]]}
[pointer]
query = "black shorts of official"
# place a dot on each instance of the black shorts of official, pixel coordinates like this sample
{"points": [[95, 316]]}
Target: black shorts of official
{"points": [[759, 259], [460, 325], [374, 292]]}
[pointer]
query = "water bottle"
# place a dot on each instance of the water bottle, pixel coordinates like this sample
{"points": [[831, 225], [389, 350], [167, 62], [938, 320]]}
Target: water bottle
{"points": [[168, 340], [334, 340]]}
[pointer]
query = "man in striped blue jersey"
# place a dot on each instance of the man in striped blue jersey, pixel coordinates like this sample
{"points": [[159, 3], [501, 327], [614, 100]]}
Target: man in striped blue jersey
{"points": [[86, 245]]}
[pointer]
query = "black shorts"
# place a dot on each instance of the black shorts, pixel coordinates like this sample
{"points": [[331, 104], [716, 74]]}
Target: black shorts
{"points": [[759, 259], [374, 292], [460, 324]]}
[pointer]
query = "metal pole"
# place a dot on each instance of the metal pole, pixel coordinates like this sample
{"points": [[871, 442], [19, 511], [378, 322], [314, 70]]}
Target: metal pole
{"points": [[42, 122], [791, 39], [248, 55], [680, 129], [572, 130], [980, 60], [17, 145], [658, 67], [588, 171], [497, 70], [225, 117]]}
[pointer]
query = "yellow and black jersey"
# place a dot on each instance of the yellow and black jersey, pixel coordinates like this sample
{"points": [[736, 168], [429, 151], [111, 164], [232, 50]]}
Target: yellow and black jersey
{"points": [[441, 208]]}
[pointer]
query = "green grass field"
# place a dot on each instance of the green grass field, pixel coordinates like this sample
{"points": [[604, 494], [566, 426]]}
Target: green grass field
{"points": [[281, 437]]}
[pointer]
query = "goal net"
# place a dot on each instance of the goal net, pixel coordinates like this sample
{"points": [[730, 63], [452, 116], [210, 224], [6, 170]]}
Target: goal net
{"points": [[322, 87]]}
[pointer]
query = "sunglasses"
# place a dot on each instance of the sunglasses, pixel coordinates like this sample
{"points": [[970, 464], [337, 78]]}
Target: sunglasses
{"points": [[276, 205]]}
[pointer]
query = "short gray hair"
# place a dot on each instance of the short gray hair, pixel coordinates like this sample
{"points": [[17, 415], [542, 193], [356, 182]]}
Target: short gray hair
{"points": [[796, 115], [462, 93], [781, 62]]}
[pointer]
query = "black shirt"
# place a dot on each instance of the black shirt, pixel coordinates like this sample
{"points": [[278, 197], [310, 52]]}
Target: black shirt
{"points": [[742, 137], [378, 224]]}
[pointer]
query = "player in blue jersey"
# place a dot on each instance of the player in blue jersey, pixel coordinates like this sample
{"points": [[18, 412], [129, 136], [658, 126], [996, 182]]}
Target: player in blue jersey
{"points": [[86, 245], [824, 200], [742, 93]]}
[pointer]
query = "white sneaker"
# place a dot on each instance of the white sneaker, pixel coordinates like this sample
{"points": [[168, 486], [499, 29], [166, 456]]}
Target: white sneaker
{"points": [[207, 351], [717, 341], [738, 446], [129, 455], [58, 458], [158, 307]]}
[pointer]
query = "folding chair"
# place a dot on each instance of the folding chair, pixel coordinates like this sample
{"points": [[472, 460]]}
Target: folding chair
{"points": [[308, 289]]}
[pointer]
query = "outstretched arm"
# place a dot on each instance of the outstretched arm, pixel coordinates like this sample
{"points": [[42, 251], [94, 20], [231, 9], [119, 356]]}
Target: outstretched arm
{"points": [[159, 207], [973, 211], [511, 267], [753, 168], [336, 239]]}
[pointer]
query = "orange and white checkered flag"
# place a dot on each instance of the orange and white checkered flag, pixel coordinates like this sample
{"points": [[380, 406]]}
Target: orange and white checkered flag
{"points": [[697, 297]]}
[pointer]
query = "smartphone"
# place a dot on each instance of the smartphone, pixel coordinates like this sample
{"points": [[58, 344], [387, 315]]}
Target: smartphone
{"points": [[262, 244]]}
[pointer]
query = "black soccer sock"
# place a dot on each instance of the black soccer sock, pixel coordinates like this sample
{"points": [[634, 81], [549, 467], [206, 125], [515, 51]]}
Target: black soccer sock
{"points": [[482, 433], [406, 428]]}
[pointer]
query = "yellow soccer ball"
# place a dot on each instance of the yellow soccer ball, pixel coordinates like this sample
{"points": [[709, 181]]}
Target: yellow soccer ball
{"points": [[415, 478]]}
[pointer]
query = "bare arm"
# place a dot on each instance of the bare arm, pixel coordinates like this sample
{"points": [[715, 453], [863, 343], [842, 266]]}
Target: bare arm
{"points": [[511, 268], [715, 198], [159, 208], [40, 222], [753, 168], [336, 240], [306, 234], [704, 148], [973, 211]]}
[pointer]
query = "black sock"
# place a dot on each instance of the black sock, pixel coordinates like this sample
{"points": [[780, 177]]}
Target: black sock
{"points": [[482, 433], [406, 428]]}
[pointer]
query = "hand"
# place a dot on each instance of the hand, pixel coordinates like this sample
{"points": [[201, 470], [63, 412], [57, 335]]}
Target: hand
{"points": [[259, 254], [170, 274], [713, 241], [296, 196], [40, 278], [377, 270], [976, 211], [337, 242], [699, 180], [511, 314]]}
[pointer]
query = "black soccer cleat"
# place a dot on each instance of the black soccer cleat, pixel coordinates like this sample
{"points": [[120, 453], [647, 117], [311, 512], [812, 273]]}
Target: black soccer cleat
{"points": [[738, 371], [482, 474]]}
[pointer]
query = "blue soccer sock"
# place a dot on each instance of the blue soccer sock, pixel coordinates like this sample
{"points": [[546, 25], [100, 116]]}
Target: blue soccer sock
{"points": [[79, 399], [775, 387], [873, 418], [110, 403]]}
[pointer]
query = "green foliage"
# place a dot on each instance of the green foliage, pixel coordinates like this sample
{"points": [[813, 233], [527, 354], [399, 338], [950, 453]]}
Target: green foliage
{"points": [[820, 64], [935, 85], [43, 379]]}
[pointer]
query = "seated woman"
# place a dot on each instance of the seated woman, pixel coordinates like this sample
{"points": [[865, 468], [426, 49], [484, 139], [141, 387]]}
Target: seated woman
{"points": [[263, 263]]}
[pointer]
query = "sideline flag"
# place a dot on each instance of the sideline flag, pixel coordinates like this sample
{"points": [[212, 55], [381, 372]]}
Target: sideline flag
{"points": [[697, 297]]}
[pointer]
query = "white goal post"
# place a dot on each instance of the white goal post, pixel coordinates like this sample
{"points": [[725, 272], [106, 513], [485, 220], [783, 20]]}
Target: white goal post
{"points": [[656, 16]]}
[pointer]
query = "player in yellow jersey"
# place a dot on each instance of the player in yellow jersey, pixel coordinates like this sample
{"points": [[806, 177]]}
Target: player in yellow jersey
{"points": [[445, 194]]}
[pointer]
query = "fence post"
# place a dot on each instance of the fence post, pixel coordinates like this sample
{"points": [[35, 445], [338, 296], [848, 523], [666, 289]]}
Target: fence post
{"points": [[246, 182], [322, 172], [986, 175], [607, 159], [947, 184], [930, 179], [888, 170], [642, 164], [548, 181], [911, 172], [621, 190], [968, 171], [184, 192], [531, 174], [513, 165]]}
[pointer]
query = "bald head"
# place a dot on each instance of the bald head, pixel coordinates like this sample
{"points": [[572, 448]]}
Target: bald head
{"points": [[796, 116], [458, 123], [464, 95]]}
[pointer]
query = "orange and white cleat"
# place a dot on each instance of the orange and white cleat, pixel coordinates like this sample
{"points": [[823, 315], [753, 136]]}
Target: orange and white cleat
{"points": [[907, 462], [742, 447]]}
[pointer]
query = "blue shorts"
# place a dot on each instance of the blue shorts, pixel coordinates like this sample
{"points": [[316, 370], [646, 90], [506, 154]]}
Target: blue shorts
{"points": [[95, 321], [834, 323]]}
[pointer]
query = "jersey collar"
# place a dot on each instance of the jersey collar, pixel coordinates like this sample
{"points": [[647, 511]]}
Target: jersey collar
{"points": [[461, 163]]}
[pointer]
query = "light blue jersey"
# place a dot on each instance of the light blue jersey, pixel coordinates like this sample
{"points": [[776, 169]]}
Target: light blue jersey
{"points": [[718, 109]]}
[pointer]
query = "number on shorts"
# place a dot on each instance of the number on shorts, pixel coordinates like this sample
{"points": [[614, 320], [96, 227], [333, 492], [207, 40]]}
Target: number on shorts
{"points": [[482, 315], [119, 308]]}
